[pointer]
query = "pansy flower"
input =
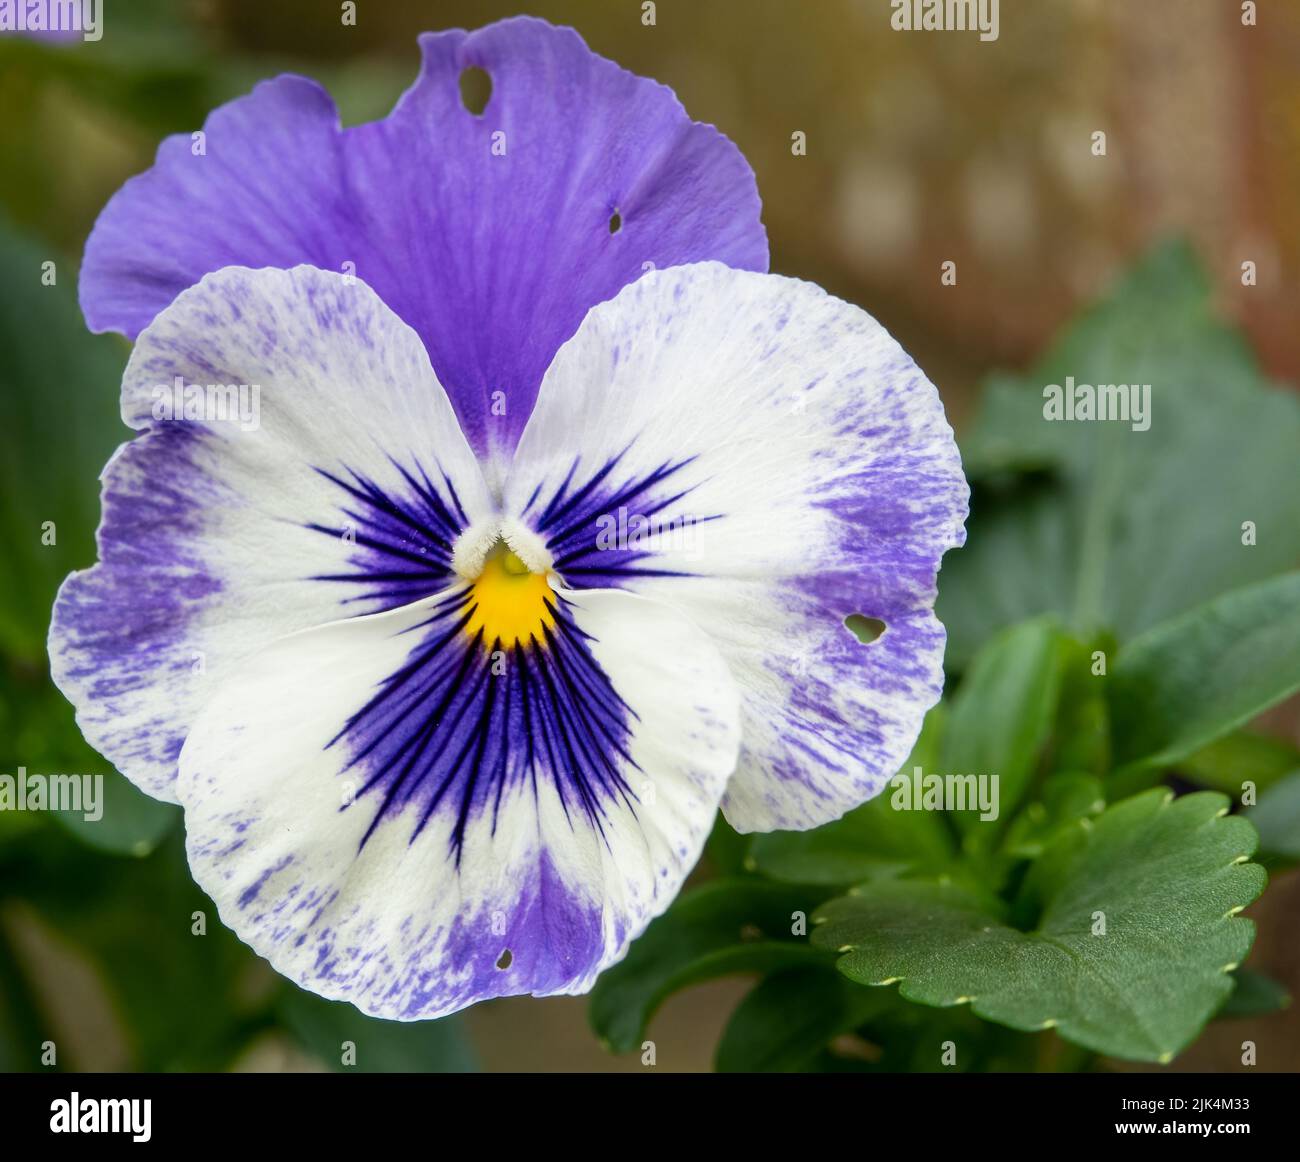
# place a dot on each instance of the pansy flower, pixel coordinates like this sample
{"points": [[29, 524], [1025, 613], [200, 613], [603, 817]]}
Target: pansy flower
{"points": [[540, 548]]}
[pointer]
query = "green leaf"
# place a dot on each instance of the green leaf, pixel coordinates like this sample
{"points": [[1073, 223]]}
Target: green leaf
{"points": [[728, 926], [1081, 735], [1203, 674], [870, 840], [59, 424], [785, 1022], [129, 823], [1254, 995], [1019, 561], [322, 1027], [1277, 819], [726, 848], [1127, 528], [1239, 758], [38, 734], [1067, 798], [1168, 875], [1002, 714]]}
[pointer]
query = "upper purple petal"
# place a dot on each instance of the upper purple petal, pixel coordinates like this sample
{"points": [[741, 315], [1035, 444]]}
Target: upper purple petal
{"points": [[490, 235]]}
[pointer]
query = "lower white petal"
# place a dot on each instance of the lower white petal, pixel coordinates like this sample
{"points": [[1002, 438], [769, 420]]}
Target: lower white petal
{"points": [[398, 814]]}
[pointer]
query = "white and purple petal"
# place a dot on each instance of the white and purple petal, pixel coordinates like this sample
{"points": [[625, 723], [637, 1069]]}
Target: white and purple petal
{"points": [[338, 491], [490, 234], [766, 458], [395, 813]]}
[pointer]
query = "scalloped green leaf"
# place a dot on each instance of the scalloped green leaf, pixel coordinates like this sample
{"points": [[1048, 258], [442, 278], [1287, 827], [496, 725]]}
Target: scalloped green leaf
{"points": [[727, 926], [1167, 876]]}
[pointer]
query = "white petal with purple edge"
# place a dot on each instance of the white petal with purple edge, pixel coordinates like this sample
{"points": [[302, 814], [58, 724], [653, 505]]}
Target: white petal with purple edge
{"points": [[393, 815], [766, 458], [338, 490]]}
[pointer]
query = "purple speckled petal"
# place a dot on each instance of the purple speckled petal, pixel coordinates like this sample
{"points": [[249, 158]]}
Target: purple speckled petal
{"points": [[396, 815], [766, 458], [327, 478], [490, 235]]}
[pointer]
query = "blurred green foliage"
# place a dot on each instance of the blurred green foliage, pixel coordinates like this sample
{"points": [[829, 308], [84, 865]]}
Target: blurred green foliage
{"points": [[1116, 529]]}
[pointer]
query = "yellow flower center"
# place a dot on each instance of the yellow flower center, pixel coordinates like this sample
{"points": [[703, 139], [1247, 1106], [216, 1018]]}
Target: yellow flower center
{"points": [[508, 602]]}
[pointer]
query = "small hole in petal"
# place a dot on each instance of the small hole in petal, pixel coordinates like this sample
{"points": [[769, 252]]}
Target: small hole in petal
{"points": [[504, 960], [865, 629], [475, 89], [615, 222]]}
